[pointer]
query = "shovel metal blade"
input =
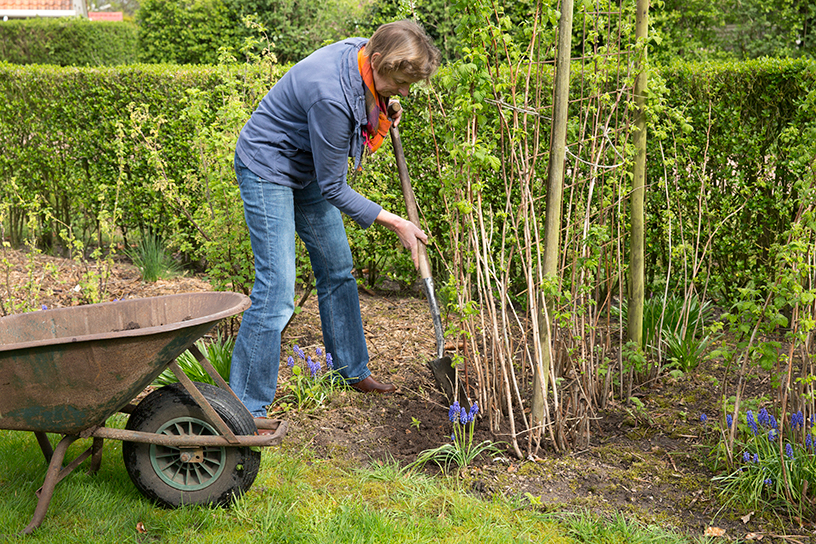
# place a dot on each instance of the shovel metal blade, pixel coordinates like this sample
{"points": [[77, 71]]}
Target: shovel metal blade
{"points": [[448, 381]]}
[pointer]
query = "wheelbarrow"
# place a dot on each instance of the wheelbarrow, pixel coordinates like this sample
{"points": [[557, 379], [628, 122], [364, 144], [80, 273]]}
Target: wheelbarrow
{"points": [[66, 371]]}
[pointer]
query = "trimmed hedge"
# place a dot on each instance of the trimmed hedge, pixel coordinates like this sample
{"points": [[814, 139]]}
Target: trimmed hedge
{"points": [[748, 146], [145, 145], [68, 42]]}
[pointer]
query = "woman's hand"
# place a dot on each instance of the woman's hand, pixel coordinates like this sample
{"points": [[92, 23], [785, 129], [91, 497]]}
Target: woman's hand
{"points": [[409, 234], [394, 112]]}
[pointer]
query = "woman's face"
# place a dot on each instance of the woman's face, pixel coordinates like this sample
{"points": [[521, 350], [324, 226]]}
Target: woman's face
{"points": [[391, 84]]}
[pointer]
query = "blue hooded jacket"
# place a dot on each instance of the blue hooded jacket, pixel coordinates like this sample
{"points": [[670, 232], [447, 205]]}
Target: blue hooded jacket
{"points": [[309, 124]]}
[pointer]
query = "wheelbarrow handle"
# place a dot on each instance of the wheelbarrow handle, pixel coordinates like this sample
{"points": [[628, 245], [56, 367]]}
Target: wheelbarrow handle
{"points": [[408, 191]]}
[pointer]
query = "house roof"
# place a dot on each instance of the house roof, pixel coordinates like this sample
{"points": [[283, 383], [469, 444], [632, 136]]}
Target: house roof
{"points": [[42, 8], [37, 4]]}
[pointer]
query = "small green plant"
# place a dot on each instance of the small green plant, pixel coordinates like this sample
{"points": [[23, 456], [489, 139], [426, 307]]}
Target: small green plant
{"points": [[461, 451], [534, 500], [685, 351], [415, 423], [673, 330], [772, 463], [152, 259], [218, 352], [310, 386]]}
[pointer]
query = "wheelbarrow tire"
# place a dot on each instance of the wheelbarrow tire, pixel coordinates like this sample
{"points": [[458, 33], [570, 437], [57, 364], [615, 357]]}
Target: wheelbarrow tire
{"points": [[216, 474]]}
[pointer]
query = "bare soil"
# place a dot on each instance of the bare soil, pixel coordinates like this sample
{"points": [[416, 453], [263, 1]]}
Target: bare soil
{"points": [[648, 464]]}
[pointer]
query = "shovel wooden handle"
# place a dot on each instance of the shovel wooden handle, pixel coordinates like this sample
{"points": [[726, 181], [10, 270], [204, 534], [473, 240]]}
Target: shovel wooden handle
{"points": [[408, 191]]}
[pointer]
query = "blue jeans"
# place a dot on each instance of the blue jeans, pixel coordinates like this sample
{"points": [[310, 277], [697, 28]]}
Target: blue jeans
{"points": [[274, 213]]}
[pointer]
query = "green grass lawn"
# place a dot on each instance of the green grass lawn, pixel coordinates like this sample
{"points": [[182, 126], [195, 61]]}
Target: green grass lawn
{"points": [[296, 498]]}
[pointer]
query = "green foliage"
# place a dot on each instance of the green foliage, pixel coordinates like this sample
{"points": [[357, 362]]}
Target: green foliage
{"points": [[731, 154], [674, 329], [200, 31], [137, 148], [185, 32], [67, 42], [156, 144], [298, 28], [152, 259], [218, 352], [741, 29]]}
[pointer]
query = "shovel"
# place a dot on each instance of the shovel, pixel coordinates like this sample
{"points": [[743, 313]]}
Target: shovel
{"points": [[444, 373]]}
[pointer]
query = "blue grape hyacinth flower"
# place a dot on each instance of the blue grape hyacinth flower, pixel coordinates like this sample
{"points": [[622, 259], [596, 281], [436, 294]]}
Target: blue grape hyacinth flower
{"points": [[473, 411], [314, 367], [762, 417], [729, 420], [453, 412], [749, 418], [329, 361], [703, 418], [789, 451]]}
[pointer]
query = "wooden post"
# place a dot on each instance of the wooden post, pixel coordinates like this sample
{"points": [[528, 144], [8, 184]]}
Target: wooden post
{"points": [[636, 258], [552, 225]]}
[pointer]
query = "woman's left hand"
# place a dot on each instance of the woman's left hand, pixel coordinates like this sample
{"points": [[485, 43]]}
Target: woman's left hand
{"points": [[409, 234]]}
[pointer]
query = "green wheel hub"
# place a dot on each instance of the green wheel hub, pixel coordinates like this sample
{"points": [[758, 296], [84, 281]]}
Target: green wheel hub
{"points": [[187, 469]]}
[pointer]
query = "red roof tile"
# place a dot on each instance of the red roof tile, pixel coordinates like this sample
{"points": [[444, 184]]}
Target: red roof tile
{"points": [[37, 4]]}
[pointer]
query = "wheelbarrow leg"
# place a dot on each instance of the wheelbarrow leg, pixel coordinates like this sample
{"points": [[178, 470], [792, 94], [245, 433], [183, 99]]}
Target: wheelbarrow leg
{"points": [[52, 476], [45, 445], [96, 455]]}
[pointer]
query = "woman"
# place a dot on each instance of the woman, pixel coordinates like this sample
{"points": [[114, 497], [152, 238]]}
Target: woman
{"points": [[291, 161]]}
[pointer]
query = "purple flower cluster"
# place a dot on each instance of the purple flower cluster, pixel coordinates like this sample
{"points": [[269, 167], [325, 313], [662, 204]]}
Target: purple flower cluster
{"points": [[798, 421], [314, 365], [748, 458], [749, 418], [457, 414]]}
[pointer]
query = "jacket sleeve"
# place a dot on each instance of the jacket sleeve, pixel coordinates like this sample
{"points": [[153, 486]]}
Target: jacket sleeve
{"points": [[330, 134]]}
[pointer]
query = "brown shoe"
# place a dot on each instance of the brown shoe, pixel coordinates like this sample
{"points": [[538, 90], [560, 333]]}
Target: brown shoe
{"points": [[370, 385]]}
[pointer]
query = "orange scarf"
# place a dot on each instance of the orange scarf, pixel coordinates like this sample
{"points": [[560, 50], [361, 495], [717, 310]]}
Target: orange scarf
{"points": [[378, 122]]}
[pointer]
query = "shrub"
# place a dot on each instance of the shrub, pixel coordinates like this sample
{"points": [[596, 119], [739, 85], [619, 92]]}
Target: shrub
{"points": [[67, 42]]}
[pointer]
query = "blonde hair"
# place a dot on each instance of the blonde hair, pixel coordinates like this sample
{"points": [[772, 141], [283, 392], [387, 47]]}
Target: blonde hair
{"points": [[403, 47]]}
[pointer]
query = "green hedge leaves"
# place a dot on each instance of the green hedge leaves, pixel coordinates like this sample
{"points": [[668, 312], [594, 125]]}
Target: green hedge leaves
{"points": [[73, 41], [149, 149]]}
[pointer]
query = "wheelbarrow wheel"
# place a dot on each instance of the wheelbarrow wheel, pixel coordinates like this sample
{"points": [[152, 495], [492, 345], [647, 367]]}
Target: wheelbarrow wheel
{"points": [[204, 475]]}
